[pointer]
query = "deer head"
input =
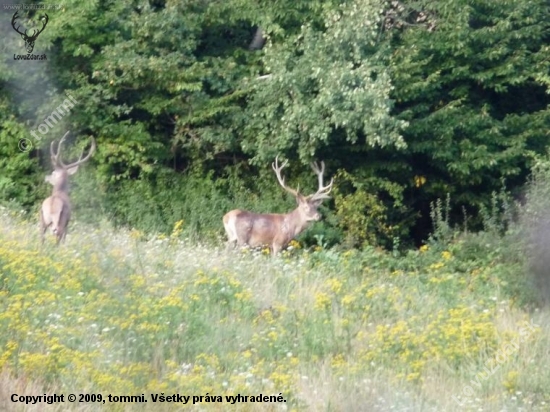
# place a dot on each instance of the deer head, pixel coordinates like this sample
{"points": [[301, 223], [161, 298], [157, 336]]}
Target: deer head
{"points": [[59, 177], [29, 40], [307, 205]]}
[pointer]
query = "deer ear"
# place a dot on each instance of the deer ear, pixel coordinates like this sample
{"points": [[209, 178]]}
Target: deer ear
{"points": [[72, 170]]}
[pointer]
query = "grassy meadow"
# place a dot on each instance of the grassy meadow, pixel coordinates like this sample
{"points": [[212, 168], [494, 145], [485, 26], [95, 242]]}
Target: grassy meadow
{"points": [[450, 327]]}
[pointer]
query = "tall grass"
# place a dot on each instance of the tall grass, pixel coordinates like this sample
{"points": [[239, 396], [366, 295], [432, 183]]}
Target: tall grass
{"points": [[121, 313]]}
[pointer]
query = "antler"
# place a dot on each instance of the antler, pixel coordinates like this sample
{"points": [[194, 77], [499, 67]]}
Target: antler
{"points": [[322, 191], [280, 178], [15, 17], [55, 154], [80, 159], [35, 33], [58, 162]]}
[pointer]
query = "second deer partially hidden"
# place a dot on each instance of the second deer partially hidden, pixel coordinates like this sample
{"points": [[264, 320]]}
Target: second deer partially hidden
{"points": [[56, 209]]}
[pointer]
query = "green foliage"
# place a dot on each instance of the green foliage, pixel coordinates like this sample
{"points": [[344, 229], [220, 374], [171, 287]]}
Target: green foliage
{"points": [[18, 171], [508, 239], [471, 83], [409, 102], [88, 196], [532, 231], [500, 214], [443, 231], [361, 214], [155, 206], [324, 84]]}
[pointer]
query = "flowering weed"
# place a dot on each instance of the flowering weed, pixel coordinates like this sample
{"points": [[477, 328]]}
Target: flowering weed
{"points": [[122, 313]]}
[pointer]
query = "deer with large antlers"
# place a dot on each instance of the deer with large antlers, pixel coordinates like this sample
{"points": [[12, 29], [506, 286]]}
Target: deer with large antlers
{"points": [[277, 230], [56, 209]]}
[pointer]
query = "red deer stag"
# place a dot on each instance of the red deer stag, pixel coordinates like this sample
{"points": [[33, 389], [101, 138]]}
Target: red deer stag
{"points": [[277, 230], [56, 209]]}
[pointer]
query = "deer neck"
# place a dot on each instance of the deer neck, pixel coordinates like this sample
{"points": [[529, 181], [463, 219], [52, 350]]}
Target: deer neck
{"points": [[61, 188], [296, 222]]}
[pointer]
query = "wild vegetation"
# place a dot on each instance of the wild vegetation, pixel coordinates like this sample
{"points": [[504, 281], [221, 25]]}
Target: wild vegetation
{"points": [[425, 286], [457, 325], [111, 313]]}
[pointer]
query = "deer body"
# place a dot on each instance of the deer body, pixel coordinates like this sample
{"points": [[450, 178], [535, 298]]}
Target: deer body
{"points": [[272, 229], [56, 209], [255, 229], [56, 212]]}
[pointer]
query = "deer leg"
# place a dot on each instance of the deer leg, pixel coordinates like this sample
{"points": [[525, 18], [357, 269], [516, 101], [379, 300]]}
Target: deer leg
{"points": [[232, 237], [275, 249], [230, 245], [62, 233], [43, 227], [63, 224]]}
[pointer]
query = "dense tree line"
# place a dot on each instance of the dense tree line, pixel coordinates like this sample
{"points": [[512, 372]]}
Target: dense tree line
{"points": [[189, 101]]}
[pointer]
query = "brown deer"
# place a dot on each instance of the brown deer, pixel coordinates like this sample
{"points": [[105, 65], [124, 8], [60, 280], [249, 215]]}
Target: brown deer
{"points": [[56, 209], [277, 230]]}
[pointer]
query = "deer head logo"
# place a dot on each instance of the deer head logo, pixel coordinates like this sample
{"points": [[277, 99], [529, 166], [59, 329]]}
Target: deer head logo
{"points": [[29, 40]]}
